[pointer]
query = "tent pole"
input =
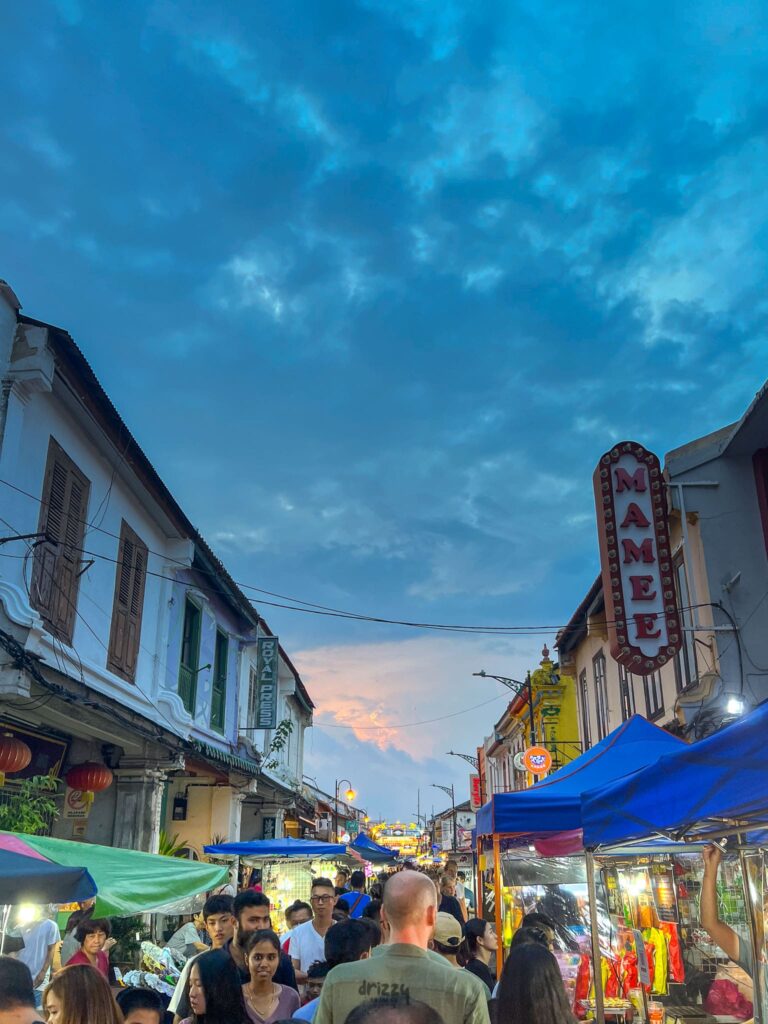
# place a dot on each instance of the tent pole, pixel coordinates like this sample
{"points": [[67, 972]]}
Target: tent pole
{"points": [[754, 938], [597, 972], [4, 919], [497, 905]]}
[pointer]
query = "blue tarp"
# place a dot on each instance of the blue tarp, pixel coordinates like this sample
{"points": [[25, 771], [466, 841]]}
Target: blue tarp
{"points": [[35, 880], [690, 790], [279, 848], [554, 805], [372, 851]]}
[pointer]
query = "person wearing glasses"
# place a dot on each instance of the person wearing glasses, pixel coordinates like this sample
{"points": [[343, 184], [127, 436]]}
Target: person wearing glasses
{"points": [[308, 940]]}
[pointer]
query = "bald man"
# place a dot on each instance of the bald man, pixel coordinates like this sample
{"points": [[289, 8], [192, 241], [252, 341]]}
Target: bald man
{"points": [[404, 969]]}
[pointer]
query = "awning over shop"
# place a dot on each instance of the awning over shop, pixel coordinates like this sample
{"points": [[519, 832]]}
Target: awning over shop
{"points": [[224, 757], [712, 786], [129, 882], [270, 848], [554, 805], [371, 851]]}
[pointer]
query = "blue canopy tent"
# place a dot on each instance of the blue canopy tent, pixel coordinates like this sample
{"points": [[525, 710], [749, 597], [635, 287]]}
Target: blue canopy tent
{"points": [[554, 805], [277, 848], [714, 787], [371, 851], [549, 814], [709, 789]]}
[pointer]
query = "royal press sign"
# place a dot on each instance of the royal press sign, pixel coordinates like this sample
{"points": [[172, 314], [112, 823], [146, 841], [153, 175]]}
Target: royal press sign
{"points": [[267, 657], [638, 581]]}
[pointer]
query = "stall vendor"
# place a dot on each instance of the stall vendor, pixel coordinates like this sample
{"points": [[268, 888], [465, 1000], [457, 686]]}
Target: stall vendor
{"points": [[737, 947]]}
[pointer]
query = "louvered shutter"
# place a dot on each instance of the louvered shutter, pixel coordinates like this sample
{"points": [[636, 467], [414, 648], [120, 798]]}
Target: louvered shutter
{"points": [[128, 604], [219, 686], [55, 573]]}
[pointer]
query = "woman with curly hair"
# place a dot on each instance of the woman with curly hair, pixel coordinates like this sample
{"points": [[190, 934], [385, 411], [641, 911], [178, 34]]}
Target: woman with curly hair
{"points": [[80, 993]]}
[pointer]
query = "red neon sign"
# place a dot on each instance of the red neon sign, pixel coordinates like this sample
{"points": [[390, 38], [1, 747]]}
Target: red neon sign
{"points": [[638, 582]]}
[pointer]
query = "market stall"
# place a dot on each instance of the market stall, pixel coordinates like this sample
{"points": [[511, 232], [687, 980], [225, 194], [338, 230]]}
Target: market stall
{"points": [[284, 868], [531, 856], [714, 790]]}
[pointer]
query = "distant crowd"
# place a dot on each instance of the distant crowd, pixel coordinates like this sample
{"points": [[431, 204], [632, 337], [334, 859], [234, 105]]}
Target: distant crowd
{"points": [[405, 950]]}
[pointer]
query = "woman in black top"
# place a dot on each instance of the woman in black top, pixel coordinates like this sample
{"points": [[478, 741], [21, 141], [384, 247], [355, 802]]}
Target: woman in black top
{"points": [[481, 945], [531, 989], [448, 902]]}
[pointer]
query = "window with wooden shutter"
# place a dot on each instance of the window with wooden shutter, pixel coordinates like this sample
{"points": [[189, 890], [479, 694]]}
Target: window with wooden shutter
{"points": [[190, 655], [219, 688], [128, 604], [58, 559]]}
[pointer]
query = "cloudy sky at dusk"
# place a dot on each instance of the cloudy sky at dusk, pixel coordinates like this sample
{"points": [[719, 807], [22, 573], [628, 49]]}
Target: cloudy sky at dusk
{"points": [[375, 282]]}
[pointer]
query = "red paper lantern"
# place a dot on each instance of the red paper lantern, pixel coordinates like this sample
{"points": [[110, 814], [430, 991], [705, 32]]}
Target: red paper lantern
{"points": [[15, 755], [90, 777]]}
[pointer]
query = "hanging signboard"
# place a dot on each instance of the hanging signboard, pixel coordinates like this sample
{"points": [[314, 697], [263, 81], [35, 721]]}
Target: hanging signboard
{"points": [[475, 793], [267, 658], [537, 760], [636, 557]]}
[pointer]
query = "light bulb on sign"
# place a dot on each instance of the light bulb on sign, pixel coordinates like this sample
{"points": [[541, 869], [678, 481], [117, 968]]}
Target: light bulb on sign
{"points": [[735, 706]]}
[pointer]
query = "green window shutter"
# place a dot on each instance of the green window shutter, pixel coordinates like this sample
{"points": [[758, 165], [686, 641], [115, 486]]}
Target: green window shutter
{"points": [[190, 655], [219, 688]]}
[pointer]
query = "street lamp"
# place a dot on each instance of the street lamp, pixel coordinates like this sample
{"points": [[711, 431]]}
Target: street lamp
{"points": [[350, 795], [449, 791], [469, 758], [517, 686]]}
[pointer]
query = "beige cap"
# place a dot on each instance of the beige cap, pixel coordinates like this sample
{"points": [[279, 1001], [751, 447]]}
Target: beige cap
{"points": [[448, 931]]}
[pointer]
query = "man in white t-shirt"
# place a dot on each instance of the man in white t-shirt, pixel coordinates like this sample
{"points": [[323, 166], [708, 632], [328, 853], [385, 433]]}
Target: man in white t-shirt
{"points": [[308, 940], [40, 939]]}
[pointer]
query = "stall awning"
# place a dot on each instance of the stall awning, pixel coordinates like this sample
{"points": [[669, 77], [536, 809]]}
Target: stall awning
{"points": [[710, 786], [371, 851], [554, 805], [270, 848], [26, 876], [130, 882]]}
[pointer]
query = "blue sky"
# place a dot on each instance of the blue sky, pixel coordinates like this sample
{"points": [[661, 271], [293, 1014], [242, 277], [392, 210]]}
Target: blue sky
{"points": [[375, 283]]}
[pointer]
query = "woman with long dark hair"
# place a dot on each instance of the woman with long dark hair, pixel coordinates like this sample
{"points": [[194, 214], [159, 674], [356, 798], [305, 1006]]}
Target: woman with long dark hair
{"points": [[481, 943], [79, 993], [265, 1000], [215, 990], [531, 989]]}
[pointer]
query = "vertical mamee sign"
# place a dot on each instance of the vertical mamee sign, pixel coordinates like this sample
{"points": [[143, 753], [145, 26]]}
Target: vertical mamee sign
{"points": [[267, 657], [641, 610]]}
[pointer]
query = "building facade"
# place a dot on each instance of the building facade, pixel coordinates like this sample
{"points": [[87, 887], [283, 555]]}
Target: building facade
{"points": [[547, 716], [717, 496], [125, 641]]}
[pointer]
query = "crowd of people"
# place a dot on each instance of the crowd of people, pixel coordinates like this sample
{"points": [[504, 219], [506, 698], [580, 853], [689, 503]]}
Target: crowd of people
{"points": [[405, 949]]}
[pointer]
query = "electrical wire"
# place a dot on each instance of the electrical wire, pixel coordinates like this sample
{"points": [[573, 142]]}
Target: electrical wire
{"points": [[312, 608]]}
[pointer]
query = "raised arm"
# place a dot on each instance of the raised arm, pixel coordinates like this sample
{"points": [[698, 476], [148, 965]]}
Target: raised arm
{"points": [[720, 933]]}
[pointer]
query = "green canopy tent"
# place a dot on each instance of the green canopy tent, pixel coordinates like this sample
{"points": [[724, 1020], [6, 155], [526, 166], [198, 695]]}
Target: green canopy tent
{"points": [[130, 882]]}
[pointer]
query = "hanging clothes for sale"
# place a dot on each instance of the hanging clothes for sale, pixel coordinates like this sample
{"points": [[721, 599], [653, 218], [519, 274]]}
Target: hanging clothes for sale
{"points": [[674, 951], [656, 944]]}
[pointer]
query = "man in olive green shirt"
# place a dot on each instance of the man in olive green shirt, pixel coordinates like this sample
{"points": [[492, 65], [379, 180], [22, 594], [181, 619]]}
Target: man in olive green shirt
{"points": [[405, 968]]}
